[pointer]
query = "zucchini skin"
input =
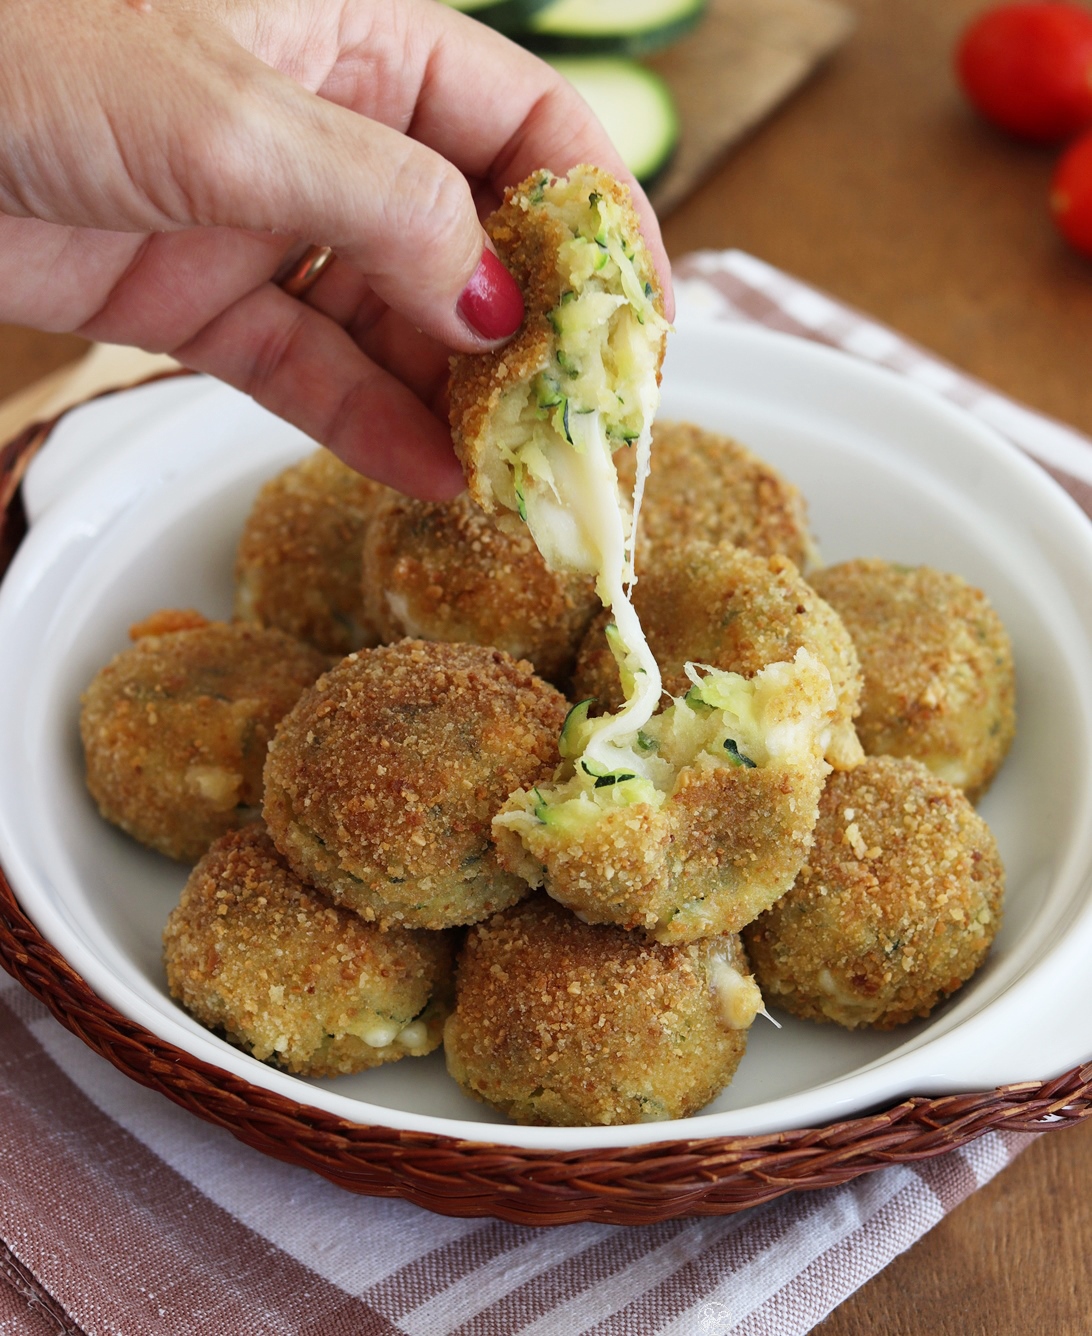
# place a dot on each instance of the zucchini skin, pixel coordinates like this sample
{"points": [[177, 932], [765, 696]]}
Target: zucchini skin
{"points": [[507, 16], [613, 37], [652, 180]]}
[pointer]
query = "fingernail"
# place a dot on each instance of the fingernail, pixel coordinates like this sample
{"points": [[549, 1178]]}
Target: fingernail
{"points": [[491, 303]]}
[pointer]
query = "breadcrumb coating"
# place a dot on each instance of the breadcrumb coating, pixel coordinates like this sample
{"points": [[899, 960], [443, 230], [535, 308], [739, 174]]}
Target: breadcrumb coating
{"points": [[381, 784], [298, 560], [937, 667], [707, 486], [896, 907], [291, 978], [165, 620], [448, 572], [565, 1023], [175, 728], [716, 604]]}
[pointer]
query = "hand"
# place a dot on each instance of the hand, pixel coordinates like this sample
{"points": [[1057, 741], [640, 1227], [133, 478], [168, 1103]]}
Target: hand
{"points": [[162, 160]]}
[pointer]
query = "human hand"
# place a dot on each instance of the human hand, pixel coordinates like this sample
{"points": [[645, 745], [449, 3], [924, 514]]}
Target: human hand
{"points": [[161, 161]]}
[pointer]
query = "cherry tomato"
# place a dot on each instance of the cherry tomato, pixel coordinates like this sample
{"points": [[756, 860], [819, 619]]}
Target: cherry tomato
{"points": [[1071, 194], [1028, 68]]}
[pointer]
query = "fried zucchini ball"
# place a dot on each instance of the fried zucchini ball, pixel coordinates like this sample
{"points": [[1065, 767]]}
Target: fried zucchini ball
{"points": [[298, 561], [896, 907], [692, 826], [448, 572], [535, 424], [715, 604], [937, 667], [708, 486], [566, 1023], [381, 784], [252, 951], [175, 728]]}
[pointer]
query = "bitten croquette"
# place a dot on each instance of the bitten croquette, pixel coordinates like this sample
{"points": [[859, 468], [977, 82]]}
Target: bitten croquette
{"points": [[298, 562], [571, 1024], [719, 605], [175, 728], [707, 486], [448, 572], [937, 667], [896, 907], [703, 826], [535, 423], [291, 978], [381, 784]]}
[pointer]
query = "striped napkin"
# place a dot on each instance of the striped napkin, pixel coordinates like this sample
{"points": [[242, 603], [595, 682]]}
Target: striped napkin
{"points": [[122, 1215]]}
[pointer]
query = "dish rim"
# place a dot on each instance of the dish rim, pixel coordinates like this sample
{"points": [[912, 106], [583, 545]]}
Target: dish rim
{"points": [[682, 1133]]}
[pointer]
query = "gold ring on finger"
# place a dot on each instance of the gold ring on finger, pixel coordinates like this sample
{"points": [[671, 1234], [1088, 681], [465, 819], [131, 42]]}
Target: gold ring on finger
{"points": [[307, 271]]}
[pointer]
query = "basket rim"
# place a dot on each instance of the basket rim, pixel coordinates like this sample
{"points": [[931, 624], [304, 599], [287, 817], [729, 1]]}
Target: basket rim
{"points": [[642, 1183], [638, 1184]]}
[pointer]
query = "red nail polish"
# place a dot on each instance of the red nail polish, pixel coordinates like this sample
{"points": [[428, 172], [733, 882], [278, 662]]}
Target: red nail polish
{"points": [[491, 303]]}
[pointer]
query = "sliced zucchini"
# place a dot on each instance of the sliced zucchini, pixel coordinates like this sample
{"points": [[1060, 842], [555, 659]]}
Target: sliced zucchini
{"points": [[506, 15], [634, 105], [621, 27]]}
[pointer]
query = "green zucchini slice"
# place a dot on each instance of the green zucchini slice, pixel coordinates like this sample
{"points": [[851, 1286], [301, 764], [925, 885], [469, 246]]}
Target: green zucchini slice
{"points": [[634, 105], [622, 27], [508, 16]]}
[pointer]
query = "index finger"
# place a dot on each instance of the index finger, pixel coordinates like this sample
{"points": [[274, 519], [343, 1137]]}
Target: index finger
{"points": [[494, 110]]}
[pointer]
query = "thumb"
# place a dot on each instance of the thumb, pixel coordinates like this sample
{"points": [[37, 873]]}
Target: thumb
{"points": [[289, 161]]}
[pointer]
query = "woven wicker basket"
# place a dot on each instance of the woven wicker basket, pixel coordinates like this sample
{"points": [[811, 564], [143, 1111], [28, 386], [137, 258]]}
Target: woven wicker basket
{"points": [[634, 1185]]}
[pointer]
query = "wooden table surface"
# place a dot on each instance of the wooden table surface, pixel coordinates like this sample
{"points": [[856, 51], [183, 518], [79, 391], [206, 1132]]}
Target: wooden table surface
{"points": [[875, 183], [878, 185]]}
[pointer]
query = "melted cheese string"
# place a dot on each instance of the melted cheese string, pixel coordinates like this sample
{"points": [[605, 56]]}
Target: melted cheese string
{"points": [[590, 489]]}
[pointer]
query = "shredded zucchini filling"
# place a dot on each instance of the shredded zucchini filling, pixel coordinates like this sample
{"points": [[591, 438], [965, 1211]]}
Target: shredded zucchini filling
{"points": [[557, 431], [724, 721]]}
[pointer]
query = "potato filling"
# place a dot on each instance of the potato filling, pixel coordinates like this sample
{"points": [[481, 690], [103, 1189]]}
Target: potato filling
{"points": [[781, 716], [557, 430]]}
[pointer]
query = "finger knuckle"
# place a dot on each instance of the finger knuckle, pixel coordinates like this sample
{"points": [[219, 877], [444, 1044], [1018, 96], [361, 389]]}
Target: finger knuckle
{"points": [[218, 157], [433, 208]]}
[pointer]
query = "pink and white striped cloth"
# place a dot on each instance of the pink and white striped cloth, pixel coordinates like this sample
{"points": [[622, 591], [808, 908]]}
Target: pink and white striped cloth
{"points": [[734, 286], [122, 1215]]}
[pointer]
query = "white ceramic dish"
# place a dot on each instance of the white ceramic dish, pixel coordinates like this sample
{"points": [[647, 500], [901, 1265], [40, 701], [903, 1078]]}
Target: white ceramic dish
{"points": [[136, 504]]}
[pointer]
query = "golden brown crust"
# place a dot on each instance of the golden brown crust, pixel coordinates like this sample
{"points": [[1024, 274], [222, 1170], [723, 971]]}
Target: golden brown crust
{"points": [[298, 560], [448, 572], [175, 728], [719, 605], [527, 239], [896, 907], [707, 486], [291, 978], [381, 784], [561, 1022], [717, 853], [937, 667], [166, 620]]}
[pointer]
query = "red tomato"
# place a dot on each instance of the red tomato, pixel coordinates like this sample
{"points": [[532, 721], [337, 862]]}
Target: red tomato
{"points": [[1071, 194], [1028, 68]]}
